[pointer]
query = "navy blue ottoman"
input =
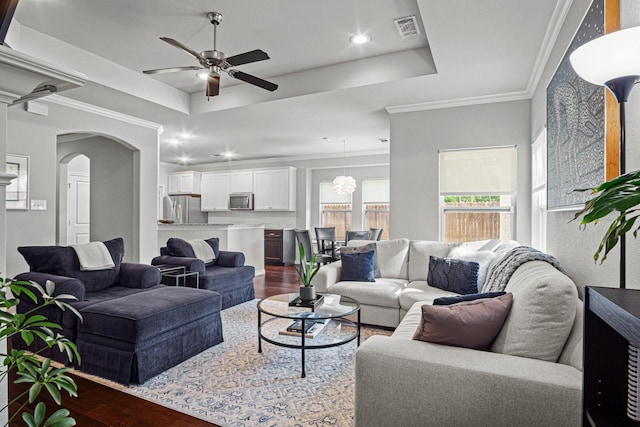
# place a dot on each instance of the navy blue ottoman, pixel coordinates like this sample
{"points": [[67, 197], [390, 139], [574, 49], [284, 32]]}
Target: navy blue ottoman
{"points": [[133, 338]]}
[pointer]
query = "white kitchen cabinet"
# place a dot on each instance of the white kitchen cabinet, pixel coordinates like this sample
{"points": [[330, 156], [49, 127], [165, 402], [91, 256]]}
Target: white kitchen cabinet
{"points": [[275, 189], [241, 182], [215, 192], [184, 182]]}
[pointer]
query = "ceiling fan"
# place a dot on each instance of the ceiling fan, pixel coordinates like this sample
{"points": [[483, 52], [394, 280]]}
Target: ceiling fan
{"points": [[213, 62]]}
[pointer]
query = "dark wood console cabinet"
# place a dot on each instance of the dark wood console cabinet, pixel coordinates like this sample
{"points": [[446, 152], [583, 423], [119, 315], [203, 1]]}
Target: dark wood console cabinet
{"points": [[279, 246], [612, 321]]}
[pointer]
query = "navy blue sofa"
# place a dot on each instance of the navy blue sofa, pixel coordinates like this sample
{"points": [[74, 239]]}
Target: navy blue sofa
{"points": [[226, 275], [133, 328]]}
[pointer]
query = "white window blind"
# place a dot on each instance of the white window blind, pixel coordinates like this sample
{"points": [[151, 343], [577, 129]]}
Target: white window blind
{"points": [[485, 170], [327, 195], [375, 191]]}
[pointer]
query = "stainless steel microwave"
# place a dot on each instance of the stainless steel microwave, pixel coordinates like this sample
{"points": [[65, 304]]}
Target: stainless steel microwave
{"points": [[241, 201]]}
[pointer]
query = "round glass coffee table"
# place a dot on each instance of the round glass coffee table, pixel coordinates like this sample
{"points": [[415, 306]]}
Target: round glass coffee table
{"points": [[325, 321]]}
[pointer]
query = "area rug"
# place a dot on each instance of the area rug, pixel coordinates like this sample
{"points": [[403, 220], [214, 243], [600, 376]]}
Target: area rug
{"points": [[231, 384]]}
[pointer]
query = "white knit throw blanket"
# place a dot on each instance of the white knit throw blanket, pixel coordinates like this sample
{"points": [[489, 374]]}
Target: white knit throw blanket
{"points": [[202, 250], [93, 256]]}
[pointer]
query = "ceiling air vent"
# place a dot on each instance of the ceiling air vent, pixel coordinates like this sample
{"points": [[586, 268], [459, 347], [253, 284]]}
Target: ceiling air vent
{"points": [[407, 26]]}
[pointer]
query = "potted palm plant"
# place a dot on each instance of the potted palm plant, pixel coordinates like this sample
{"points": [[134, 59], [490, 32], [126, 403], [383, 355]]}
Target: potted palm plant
{"points": [[620, 196], [31, 368], [307, 271]]}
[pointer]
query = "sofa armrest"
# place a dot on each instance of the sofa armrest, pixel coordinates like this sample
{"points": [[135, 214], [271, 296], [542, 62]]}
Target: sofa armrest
{"points": [[142, 276], [191, 264], [64, 285], [406, 382], [230, 259], [327, 276]]}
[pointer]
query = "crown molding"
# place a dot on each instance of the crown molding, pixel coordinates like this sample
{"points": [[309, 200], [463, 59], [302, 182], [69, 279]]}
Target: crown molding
{"points": [[28, 63], [6, 178], [461, 102], [550, 37], [89, 108]]}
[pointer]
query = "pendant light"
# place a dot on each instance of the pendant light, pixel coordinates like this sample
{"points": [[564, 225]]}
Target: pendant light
{"points": [[343, 184]]}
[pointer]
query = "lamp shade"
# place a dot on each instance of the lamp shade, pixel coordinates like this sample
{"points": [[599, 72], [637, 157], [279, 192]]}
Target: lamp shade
{"points": [[609, 57], [344, 184]]}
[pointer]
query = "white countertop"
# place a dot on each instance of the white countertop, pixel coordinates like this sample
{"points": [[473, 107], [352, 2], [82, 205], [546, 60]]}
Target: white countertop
{"points": [[208, 226]]}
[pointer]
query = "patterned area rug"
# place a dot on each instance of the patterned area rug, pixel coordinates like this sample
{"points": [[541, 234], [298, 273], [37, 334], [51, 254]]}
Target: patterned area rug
{"points": [[231, 384]]}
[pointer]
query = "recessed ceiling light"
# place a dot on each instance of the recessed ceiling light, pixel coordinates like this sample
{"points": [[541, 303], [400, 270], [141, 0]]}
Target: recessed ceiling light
{"points": [[228, 154], [174, 141], [360, 39], [184, 159], [185, 135]]}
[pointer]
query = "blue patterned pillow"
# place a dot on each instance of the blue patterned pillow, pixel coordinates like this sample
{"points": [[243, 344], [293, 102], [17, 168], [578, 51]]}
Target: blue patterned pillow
{"points": [[358, 267], [369, 247], [454, 275], [466, 298]]}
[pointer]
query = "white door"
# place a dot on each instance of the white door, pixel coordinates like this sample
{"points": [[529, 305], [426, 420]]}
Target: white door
{"points": [[78, 199]]}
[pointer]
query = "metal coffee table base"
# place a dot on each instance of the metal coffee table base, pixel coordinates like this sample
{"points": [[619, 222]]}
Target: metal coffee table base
{"points": [[303, 346]]}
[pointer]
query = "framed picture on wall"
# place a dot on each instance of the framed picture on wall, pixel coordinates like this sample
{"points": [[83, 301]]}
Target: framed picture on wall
{"points": [[17, 193]]}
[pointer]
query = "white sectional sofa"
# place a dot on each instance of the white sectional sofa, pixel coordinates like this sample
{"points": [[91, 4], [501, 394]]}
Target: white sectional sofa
{"points": [[531, 375]]}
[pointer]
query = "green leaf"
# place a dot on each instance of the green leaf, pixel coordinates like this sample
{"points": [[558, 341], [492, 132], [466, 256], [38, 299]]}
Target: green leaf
{"points": [[28, 418], [27, 337], [34, 391], [58, 416], [39, 413], [54, 392]]}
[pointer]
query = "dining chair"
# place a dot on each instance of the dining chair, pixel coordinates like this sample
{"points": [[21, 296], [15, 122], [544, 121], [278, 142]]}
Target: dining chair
{"points": [[358, 235], [304, 239], [326, 240], [376, 233]]}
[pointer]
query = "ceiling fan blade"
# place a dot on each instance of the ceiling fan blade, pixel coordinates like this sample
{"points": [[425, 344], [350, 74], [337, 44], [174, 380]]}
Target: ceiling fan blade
{"points": [[171, 70], [213, 86], [247, 57], [190, 51], [253, 80]]}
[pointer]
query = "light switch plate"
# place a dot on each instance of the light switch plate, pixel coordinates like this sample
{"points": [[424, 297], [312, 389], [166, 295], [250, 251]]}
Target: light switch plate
{"points": [[38, 205]]}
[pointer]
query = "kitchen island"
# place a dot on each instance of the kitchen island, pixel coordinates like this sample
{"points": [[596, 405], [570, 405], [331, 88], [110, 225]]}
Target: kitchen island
{"points": [[248, 239]]}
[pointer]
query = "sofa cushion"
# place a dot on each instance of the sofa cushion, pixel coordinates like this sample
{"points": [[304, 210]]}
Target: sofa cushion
{"points": [[419, 253], [369, 247], [357, 266], [180, 247], [63, 261], [471, 324], [453, 275], [384, 292], [543, 313], [420, 291], [393, 257]]}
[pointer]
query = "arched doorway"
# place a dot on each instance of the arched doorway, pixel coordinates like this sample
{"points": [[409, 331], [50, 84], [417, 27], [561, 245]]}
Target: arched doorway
{"points": [[113, 209]]}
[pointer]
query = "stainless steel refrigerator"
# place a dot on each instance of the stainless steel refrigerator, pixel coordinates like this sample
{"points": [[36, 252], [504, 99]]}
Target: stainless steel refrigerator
{"points": [[186, 210]]}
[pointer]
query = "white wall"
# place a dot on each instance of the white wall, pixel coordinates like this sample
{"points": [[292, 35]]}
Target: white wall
{"points": [[36, 136], [416, 139], [574, 247]]}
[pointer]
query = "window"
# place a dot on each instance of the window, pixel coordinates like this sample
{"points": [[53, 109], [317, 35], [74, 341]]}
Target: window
{"points": [[539, 192], [375, 205], [477, 189], [335, 210]]}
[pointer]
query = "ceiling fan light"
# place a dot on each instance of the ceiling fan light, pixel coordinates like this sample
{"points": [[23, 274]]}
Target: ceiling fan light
{"points": [[204, 75], [360, 39], [344, 184]]}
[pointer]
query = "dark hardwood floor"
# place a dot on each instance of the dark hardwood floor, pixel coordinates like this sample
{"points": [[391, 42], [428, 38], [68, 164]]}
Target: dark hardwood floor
{"points": [[99, 406]]}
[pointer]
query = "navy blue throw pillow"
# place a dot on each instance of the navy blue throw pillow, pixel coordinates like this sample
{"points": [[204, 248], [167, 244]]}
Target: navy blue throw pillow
{"points": [[454, 275], [179, 247], [466, 298], [214, 242], [358, 267]]}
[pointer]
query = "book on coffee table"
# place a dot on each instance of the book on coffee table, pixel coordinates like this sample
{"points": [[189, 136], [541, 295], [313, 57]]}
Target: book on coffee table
{"points": [[295, 328]]}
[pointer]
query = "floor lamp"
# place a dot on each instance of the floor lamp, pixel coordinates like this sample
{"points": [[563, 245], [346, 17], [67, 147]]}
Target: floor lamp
{"points": [[613, 60]]}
